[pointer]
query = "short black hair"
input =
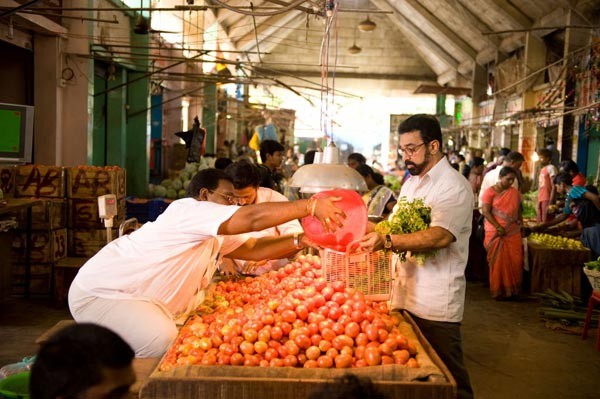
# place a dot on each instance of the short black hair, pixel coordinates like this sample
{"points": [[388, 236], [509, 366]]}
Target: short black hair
{"points": [[206, 178], [349, 386], [73, 359], [365, 170], [269, 147], [504, 151], [563, 177], [477, 161], [569, 166], [427, 125], [507, 170], [514, 156], [358, 157], [309, 157], [544, 152], [243, 174], [222, 163]]}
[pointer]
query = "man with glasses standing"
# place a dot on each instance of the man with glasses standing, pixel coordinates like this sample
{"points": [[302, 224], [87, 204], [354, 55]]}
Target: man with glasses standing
{"points": [[433, 293], [246, 180], [140, 284]]}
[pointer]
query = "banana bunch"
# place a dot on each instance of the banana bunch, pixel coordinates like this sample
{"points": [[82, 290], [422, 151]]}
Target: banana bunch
{"points": [[555, 241]]}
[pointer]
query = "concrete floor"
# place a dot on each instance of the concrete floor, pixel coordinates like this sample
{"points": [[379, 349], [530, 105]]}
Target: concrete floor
{"points": [[508, 350]]}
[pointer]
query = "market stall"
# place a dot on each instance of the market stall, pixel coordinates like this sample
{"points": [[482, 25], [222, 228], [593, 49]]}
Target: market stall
{"points": [[556, 268]]}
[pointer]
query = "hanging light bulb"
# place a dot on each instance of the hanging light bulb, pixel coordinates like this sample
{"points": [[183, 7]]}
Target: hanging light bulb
{"points": [[367, 25], [354, 49]]}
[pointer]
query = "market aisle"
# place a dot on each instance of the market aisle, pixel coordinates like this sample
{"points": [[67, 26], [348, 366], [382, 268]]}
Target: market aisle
{"points": [[509, 352]]}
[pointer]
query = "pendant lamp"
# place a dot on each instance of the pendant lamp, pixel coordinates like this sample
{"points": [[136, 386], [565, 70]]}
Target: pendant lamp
{"points": [[327, 174], [367, 25]]}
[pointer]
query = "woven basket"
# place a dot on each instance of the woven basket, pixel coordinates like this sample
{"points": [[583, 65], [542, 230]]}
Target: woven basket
{"points": [[594, 277]]}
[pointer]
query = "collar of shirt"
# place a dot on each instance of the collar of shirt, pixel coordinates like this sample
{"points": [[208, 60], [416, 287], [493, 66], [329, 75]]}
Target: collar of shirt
{"points": [[436, 173]]}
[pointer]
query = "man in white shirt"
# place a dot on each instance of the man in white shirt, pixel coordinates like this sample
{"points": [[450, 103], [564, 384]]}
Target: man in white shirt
{"points": [[139, 284], [514, 160], [246, 180], [433, 293]]}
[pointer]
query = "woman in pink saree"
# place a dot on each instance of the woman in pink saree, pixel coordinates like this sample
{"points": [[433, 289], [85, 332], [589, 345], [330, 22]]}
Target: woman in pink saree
{"points": [[501, 209]]}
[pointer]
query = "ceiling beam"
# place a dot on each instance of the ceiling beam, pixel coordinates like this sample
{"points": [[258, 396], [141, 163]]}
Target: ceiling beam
{"points": [[415, 35], [437, 24], [476, 22], [514, 13], [449, 76], [350, 75], [266, 29]]}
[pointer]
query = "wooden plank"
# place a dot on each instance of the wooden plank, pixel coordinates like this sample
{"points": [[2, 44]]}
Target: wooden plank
{"points": [[83, 213], [40, 181], [87, 242], [47, 246], [7, 180], [94, 181]]}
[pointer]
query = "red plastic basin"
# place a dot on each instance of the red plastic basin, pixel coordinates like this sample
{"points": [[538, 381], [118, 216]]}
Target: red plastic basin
{"points": [[353, 227]]}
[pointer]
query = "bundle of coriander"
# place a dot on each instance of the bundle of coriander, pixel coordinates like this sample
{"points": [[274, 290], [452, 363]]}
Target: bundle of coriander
{"points": [[408, 217]]}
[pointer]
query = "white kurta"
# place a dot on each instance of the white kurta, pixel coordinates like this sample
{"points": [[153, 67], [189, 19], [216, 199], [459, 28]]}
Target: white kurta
{"points": [[436, 290]]}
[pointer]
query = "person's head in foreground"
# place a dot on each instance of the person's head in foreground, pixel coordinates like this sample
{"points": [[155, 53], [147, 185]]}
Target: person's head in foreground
{"points": [[83, 361]]}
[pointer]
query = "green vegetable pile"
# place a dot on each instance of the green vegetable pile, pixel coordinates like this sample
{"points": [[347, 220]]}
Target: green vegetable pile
{"points": [[409, 217], [593, 265]]}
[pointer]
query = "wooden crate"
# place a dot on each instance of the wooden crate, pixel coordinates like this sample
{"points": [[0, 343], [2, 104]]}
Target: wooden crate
{"points": [[431, 380], [40, 281], [94, 181], [65, 271], [51, 214], [47, 246], [40, 181], [83, 213], [87, 242], [7, 180]]}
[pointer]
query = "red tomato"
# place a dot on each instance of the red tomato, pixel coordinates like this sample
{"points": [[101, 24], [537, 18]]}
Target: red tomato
{"points": [[339, 298], [361, 363], [412, 348], [271, 354], [401, 356], [250, 335], [260, 347], [385, 359], [338, 328], [302, 358], [313, 328], [328, 334], [325, 362], [311, 364], [276, 333], [343, 361], [264, 335], [250, 360], [237, 359], [268, 319], [276, 362], [412, 362], [332, 352], [334, 313], [359, 352], [319, 284], [361, 339], [338, 286], [292, 347], [313, 352], [388, 347], [373, 356], [382, 335], [303, 341], [327, 292], [352, 329], [247, 348], [288, 316], [315, 339], [372, 332]]}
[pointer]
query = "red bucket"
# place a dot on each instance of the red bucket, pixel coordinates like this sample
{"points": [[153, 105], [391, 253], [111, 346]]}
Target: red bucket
{"points": [[353, 227]]}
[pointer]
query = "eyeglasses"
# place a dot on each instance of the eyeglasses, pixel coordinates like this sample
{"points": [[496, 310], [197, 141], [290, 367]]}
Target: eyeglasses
{"points": [[232, 199], [410, 150]]}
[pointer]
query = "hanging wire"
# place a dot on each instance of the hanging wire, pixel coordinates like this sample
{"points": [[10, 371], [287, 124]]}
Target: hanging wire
{"points": [[260, 13]]}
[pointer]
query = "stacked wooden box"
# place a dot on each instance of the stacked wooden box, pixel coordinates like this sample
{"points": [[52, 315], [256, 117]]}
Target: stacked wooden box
{"points": [[87, 234], [48, 224]]}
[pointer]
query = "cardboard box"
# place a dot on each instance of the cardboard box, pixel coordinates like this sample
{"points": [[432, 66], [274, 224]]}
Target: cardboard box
{"points": [[94, 181], [40, 181], [83, 213], [87, 242], [47, 246]]}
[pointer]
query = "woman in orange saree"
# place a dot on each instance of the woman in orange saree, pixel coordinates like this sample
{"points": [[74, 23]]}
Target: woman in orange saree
{"points": [[501, 209]]}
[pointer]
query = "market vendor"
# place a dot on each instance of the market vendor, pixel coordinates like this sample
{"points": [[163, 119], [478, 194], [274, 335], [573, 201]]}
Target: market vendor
{"points": [[246, 180], [434, 293], [139, 284], [580, 202]]}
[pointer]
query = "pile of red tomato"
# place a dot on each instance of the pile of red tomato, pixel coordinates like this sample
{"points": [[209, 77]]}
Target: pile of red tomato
{"points": [[291, 317]]}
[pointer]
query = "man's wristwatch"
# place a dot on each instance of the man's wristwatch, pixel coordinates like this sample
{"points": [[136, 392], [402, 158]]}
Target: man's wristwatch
{"points": [[387, 244]]}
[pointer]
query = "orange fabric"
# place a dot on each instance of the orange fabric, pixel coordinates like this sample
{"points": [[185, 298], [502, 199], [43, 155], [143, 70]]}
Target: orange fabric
{"points": [[504, 253], [579, 180], [544, 184]]}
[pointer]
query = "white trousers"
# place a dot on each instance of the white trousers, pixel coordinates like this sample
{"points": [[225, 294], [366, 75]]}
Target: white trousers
{"points": [[146, 326]]}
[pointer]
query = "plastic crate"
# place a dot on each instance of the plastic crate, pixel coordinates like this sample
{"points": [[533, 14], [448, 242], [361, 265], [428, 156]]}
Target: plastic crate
{"points": [[594, 277], [137, 208], [366, 272], [15, 386]]}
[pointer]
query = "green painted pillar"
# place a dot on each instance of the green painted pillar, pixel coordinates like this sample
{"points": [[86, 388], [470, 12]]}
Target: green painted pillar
{"points": [[115, 118], [138, 135], [209, 116]]}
